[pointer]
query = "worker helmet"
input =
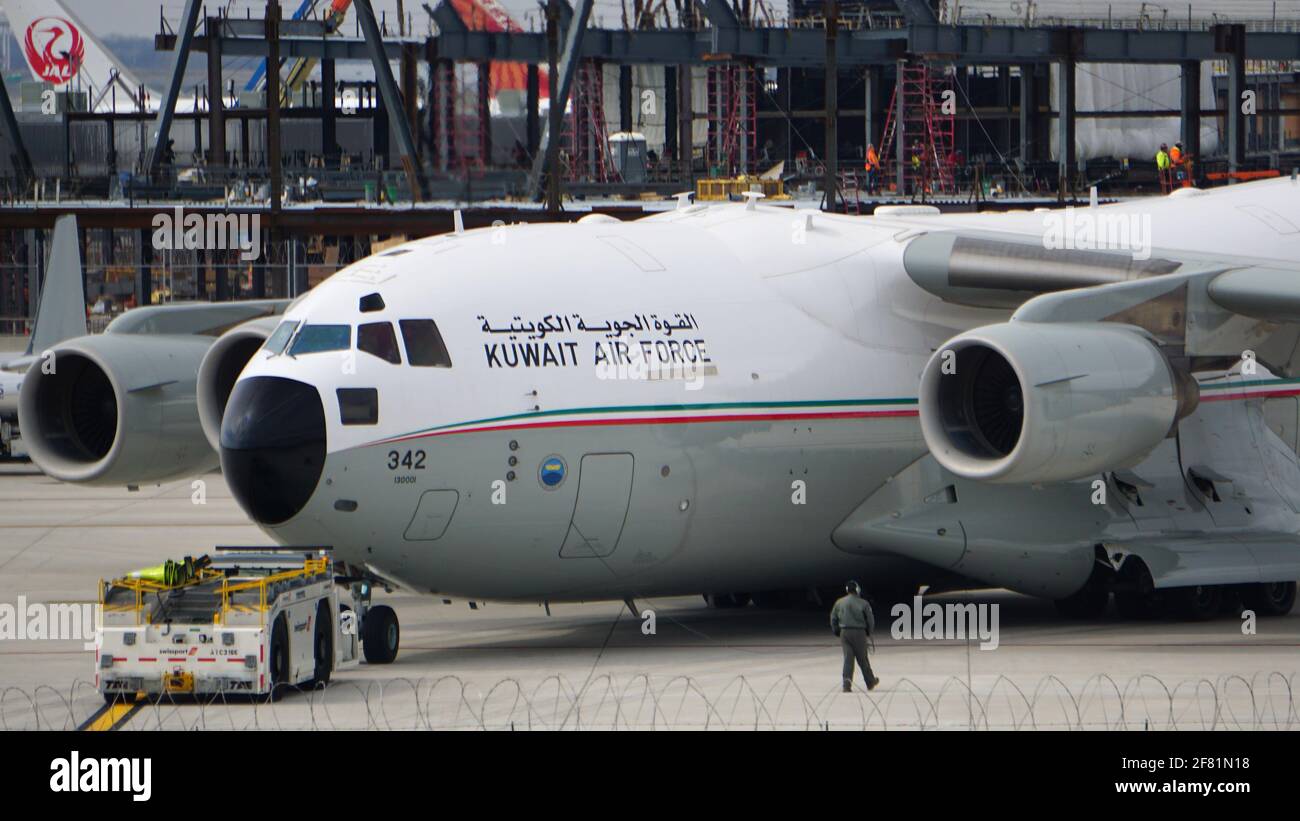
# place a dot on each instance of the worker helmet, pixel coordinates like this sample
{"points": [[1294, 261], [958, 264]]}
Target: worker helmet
{"points": [[853, 587]]}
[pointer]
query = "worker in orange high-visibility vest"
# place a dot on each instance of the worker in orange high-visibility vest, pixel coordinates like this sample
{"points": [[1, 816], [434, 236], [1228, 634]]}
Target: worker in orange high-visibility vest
{"points": [[1181, 162], [872, 166]]}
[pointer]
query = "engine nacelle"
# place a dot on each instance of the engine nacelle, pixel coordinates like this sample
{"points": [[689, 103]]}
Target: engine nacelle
{"points": [[116, 409], [1036, 402], [221, 366]]}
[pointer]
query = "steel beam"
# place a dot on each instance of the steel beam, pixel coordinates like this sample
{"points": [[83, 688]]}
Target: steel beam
{"points": [[562, 80], [1028, 112], [963, 45], [392, 97], [163, 124], [1230, 40], [273, 154], [328, 113], [832, 92], [1190, 114], [1065, 122], [216, 105], [685, 126]]}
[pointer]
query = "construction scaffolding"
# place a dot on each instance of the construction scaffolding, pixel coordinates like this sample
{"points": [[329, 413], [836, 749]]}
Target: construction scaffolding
{"points": [[917, 150], [586, 136], [459, 128], [733, 121]]}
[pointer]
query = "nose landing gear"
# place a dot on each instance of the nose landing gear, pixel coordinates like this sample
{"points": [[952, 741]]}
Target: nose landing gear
{"points": [[380, 635]]}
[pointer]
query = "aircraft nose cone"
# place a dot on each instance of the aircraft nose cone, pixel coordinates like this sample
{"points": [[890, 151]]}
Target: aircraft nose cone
{"points": [[272, 446]]}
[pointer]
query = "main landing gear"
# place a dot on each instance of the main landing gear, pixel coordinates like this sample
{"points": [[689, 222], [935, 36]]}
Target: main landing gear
{"points": [[1137, 598]]}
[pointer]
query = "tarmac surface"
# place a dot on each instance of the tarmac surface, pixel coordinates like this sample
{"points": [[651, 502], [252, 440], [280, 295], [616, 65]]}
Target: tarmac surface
{"points": [[593, 665]]}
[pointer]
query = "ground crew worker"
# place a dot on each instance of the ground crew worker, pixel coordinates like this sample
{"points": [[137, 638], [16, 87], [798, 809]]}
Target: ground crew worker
{"points": [[1178, 159], [872, 166], [852, 620], [1162, 166]]}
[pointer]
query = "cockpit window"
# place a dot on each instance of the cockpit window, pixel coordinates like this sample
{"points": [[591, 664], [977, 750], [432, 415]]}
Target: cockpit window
{"points": [[378, 339], [319, 338], [276, 341], [424, 346]]}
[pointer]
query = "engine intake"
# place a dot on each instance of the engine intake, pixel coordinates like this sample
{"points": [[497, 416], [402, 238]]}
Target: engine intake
{"points": [[1032, 402], [221, 366], [115, 409]]}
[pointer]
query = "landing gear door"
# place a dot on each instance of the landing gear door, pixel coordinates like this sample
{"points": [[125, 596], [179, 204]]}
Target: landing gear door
{"points": [[604, 493]]}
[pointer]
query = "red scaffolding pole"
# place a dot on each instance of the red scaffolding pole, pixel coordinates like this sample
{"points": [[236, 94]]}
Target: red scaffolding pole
{"points": [[459, 125], [586, 137], [733, 119], [918, 105]]}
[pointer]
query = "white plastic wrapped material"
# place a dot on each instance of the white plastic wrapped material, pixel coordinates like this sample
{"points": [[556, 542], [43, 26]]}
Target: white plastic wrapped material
{"points": [[1127, 87]]}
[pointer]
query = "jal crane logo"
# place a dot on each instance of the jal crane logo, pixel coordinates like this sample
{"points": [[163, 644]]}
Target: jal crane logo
{"points": [[54, 49]]}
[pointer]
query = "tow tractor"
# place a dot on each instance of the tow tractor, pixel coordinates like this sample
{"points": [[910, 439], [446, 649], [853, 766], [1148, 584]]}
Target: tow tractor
{"points": [[253, 621]]}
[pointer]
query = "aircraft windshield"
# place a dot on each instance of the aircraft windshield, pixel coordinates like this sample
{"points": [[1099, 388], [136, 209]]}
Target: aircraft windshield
{"points": [[320, 338], [276, 341]]}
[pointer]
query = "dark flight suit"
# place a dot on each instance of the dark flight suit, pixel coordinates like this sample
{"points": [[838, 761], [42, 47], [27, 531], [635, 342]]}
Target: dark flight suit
{"points": [[851, 617]]}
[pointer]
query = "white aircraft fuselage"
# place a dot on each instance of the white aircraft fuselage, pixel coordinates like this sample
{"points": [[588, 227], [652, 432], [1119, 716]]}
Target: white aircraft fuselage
{"points": [[689, 402]]}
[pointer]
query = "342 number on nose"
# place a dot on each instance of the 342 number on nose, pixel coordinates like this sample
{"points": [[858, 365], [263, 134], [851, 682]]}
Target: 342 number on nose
{"points": [[407, 460]]}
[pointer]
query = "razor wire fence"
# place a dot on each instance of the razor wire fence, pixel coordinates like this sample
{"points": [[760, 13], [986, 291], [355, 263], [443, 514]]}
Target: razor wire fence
{"points": [[1261, 701]]}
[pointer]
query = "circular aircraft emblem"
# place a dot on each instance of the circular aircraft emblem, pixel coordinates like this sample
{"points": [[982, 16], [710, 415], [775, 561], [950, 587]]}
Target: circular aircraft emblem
{"points": [[54, 49], [552, 472]]}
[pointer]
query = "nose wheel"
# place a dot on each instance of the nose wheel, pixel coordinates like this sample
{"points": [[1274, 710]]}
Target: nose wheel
{"points": [[380, 635]]}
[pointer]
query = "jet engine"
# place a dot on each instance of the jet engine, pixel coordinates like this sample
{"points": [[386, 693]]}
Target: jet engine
{"points": [[1033, 402], [116, 409], [221, 366], [133, 408]]}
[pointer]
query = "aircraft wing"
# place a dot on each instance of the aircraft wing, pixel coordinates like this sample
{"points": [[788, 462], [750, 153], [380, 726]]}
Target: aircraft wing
{"points": [[1214, 313], [1207, 308]]}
